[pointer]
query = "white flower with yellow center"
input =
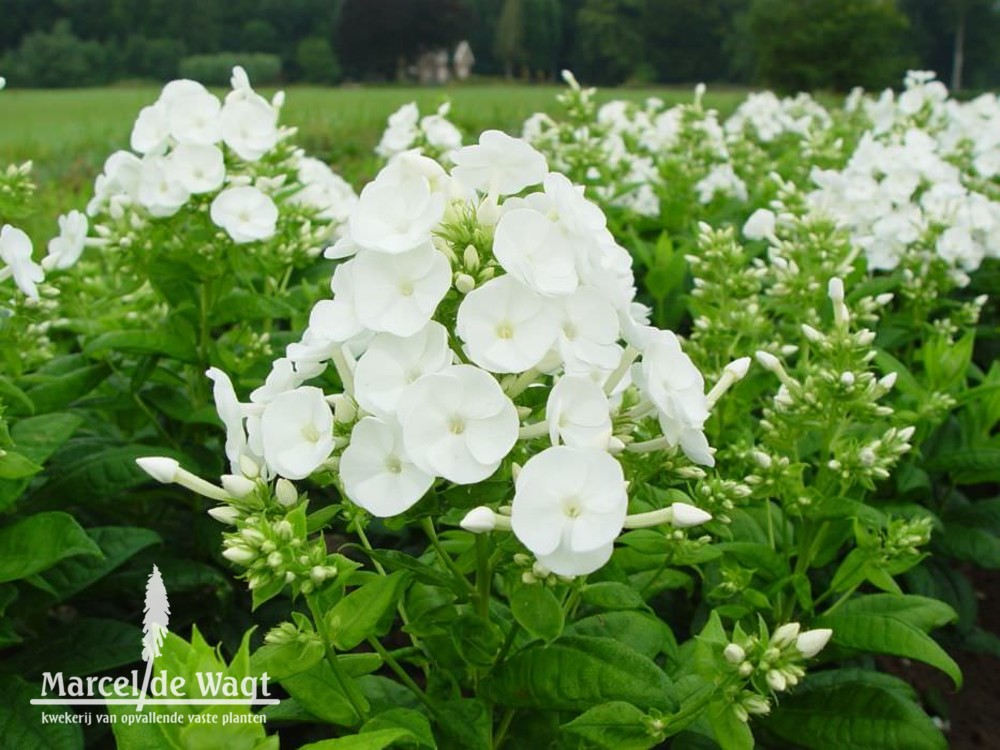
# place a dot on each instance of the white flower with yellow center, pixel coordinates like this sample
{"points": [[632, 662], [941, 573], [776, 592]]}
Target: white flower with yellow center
{"points": [[297, 432], [506, 327], [399, 293], [458, 424], [376, 471], [247, 214], [391, 363], [569, 506]]}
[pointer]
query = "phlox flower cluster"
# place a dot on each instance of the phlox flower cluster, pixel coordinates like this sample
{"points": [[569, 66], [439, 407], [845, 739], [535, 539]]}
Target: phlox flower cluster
{"points": [[231, 159], [766, 117], [435, 135], [904, 196], [483, 325]]}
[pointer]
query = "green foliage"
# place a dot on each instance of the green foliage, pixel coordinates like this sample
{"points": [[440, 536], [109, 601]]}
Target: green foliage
{"points": [[316, 60], [216, 70], [828, 44], [57, 59]]}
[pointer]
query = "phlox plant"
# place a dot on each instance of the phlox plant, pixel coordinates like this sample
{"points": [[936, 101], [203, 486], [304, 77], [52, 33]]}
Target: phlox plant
{"points": [[613, 551], [649, 428], [202, 239]]}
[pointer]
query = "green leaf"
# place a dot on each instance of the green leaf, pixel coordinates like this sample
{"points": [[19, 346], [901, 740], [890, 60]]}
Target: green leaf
{"points": [[162, 342], [611, 595], [16, 466], [465, 721], [853, 709], [613, 726], [412, 721], [577, 672], [241, 305], [38, 542], [318, 691], [21, 724], [366, 611], [285, 660], [970, 534], [82, 647], [477, 639], [104, 474], [730, 732], [117, 543], [536, 609], [39, 437], [969, 465], [894, 625], [376, 740], [75, 379], [640, 631]]}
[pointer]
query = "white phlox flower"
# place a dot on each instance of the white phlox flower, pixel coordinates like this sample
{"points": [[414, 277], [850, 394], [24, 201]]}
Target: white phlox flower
{"points": [[297, 432], [569, 506], [15, 252], [589, 333], [199, 168], [376, 471], [532, 249], [505, 326], [248, 124], [246, 213], [399, 293], [578, 414], [391, 363], [669, 378], [66, 249], [499, 165], [396, 213], [458, 424], [160, 192]]}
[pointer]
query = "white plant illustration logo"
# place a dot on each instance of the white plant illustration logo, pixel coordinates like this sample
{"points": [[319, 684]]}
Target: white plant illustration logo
{"points": [[156, 617]]}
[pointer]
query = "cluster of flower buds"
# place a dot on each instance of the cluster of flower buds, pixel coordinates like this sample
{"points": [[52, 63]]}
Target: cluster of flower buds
{"points": [[769, 664]]}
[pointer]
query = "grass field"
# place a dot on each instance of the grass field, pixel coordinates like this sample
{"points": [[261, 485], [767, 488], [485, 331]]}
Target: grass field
{"points": [[69, 133]]}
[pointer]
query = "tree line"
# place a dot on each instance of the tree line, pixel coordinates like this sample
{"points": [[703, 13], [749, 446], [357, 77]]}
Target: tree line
{"points": [[786, 44]]}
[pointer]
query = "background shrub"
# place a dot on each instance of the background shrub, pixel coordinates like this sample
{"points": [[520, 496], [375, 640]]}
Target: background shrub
{"points": [[215, 70]]}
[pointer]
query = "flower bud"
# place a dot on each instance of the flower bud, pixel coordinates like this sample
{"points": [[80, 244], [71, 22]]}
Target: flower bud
{"points": [[160, 468], [464, 283], [249, 467], [776, 680], [225, 514], [479, 520], [275, 559], [237, 486], [684, 516], [240, 555], [785, 634], [811, 642], [285, 493], [470, 257], [734, 653]]}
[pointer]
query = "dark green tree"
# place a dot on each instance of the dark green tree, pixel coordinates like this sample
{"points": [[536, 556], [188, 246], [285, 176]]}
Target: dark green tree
{"points": [[828, 44], [609, 40]]}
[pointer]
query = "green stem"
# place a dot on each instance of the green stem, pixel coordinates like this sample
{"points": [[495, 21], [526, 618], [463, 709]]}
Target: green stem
{"points": [[351, 690], [428, 526], [507, 644], [395, 666], [483, 575], [501, 734], [843, 598]]}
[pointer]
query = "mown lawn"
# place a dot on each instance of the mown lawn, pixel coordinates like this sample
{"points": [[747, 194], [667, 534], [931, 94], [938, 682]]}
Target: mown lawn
{"points": [[69, 133]]}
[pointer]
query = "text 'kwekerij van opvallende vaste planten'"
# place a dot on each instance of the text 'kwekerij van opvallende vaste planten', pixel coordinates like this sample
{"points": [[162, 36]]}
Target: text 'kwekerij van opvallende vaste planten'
{"points": [[644, 427]]}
